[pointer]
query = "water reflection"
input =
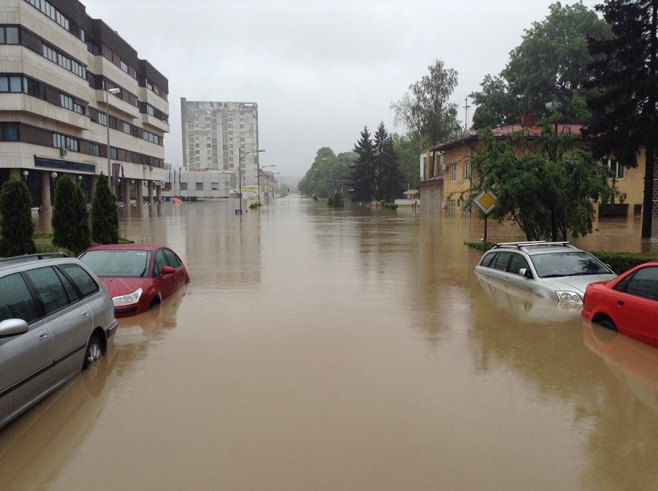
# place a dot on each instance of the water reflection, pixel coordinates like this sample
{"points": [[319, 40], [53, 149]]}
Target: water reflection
{"points": [[350, 349], [35, 447]]}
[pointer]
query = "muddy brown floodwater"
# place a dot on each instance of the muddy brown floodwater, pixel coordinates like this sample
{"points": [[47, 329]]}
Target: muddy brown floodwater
{"points": [[343, 350]]}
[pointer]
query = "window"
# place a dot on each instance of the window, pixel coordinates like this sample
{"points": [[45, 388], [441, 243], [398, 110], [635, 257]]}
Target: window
{"points": [[9, 35], [517, 262], [502, 259], [11, 83], [50, 289], [467, 170], [618, 170], [9, 132], [453, 172], [69, 103], [16, 301], [644, 283], [85, 283], [94, 149], [183, 186], [63, 141], [160, 262], [173, 260], [199, 186]]}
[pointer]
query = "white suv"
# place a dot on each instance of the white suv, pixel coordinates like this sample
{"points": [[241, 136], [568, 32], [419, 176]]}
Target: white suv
{"points": [[555, 270], [56, 318]]}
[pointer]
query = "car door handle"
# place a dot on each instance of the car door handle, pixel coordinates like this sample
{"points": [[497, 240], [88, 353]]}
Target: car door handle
{"points": [[620, 303], [43, 335], [85, 313]]}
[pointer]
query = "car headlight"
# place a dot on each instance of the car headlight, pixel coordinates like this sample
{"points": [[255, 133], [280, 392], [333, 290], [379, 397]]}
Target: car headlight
{"points": [[568, 296], [129, 299]]}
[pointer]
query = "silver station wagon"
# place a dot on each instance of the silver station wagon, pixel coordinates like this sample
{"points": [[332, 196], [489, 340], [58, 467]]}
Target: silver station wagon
{"points": [[56, 318], [553, 270]]}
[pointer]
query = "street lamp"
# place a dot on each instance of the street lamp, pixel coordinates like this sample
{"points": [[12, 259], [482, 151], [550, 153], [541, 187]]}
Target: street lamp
{"points": [[241, 156], [113, 91], [259, 168], [25, 174]]}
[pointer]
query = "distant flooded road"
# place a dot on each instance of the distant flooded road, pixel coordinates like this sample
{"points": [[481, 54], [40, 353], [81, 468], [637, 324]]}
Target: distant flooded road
{"points": [[345, 350]]}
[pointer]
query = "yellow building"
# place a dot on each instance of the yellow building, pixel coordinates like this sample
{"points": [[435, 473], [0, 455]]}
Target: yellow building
{"points": [[446, 174]]}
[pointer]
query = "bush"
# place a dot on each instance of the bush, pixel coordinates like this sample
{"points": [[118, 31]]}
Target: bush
{"points": [[16, 227], [70, 216], [622, 261], [104, 214]]}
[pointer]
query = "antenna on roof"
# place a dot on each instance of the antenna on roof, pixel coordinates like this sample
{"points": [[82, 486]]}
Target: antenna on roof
{"points": [[466, 106]]}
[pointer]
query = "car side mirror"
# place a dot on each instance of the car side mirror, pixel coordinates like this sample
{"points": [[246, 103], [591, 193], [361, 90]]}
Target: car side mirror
{"points": [[525, 272], [12, 327], [167, 270]]}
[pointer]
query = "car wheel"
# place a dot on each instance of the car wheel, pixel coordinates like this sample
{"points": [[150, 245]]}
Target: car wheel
{"points": [[607, 323], [94, 351], [155, 303]]}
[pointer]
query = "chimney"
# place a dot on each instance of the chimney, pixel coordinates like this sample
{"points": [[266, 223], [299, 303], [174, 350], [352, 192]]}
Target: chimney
{"points": [[528, 119]]}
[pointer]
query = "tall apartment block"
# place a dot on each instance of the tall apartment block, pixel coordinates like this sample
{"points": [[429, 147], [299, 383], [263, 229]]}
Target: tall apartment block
{"points": [[217, 134], [76, 99]]}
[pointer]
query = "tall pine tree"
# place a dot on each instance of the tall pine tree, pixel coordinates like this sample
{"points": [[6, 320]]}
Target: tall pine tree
{"points": [[625, 81], [364, 175], [70, 216], [104, 214], [16, 226], [388, 175]]}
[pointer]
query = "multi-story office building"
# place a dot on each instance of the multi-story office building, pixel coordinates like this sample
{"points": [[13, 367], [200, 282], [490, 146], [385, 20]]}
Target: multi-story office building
{"points": [[221, 136], [75, 98]]}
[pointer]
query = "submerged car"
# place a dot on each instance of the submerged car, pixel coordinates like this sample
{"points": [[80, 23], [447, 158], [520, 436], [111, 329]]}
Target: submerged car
{"points": [[628, 304], [138, 276], [554, 270], [56, 318]]}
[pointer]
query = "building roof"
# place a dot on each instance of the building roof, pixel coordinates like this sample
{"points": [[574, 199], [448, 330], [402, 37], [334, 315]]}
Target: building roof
{"points": [[533, 130]]}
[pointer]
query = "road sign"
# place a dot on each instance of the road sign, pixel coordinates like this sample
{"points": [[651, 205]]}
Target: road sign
{"points": [[486, 200]]}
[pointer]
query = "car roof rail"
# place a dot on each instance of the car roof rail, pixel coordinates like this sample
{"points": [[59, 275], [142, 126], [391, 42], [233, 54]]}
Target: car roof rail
{"points": [[531, 243], [33, 257]]}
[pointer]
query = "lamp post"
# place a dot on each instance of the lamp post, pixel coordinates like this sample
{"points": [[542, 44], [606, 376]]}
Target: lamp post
{"points": [[259, 168], [113, 91], [241, 156]]}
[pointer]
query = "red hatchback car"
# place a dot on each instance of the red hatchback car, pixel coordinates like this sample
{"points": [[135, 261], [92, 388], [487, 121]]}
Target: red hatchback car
{"points": [[628, 304], [138, 277]]}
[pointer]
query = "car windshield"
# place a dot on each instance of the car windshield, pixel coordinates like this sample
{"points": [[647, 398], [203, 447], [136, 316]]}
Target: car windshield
{"points": [[123, 262], [558, 264]]}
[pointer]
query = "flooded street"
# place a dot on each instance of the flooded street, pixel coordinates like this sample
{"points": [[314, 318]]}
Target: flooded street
{"points": [[342, 350]]}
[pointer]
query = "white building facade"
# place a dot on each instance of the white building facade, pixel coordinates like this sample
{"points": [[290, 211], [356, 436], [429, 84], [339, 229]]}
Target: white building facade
{"points": [[76, 99], [222, 137]]}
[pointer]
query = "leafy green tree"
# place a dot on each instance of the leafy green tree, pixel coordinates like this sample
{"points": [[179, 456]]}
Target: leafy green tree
{"points": [[328, 173], [408, 150], [387, 171], [545, 184], [363, 178], [494, 104], [104, 214], [426, 111], [16, 224], [625, 91], [70, 216], [550, 66]]}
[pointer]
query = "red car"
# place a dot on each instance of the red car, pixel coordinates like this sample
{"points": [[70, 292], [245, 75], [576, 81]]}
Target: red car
{"points": [[138, 277], [628, 304]]}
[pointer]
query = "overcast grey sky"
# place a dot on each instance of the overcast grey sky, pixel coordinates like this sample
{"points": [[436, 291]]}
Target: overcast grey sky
{"points": [[319, 70]]}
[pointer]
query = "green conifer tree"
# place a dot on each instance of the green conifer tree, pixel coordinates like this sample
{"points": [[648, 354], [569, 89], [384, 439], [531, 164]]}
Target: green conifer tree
{"points": [[104, 214], [70, 216], [16, 226]]}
